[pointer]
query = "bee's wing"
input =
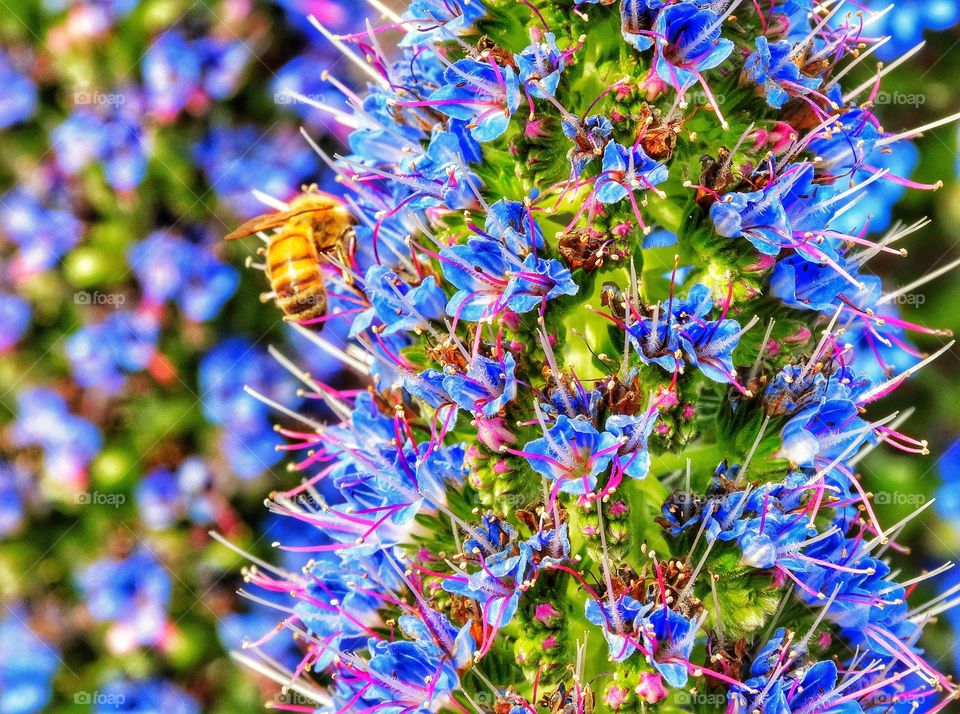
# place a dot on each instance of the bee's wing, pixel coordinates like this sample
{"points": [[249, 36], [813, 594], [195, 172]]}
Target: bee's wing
{"points": [[269, 221]]}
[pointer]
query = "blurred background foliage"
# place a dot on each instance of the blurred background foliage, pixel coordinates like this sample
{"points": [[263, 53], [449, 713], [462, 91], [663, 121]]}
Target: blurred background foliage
{"points": [[133, 132]]}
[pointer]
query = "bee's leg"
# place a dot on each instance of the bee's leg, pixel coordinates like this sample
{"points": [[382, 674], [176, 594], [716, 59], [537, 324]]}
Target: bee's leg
{"points": [[249, 262], [268, 296], [346, 249]]}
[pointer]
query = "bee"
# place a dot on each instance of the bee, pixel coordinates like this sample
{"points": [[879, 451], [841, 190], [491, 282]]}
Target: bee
{"points": [[315, 226]]}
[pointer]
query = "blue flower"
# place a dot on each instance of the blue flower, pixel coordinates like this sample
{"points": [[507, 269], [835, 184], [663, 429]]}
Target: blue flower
{"points": [[222, 65], [110, 135], [250, 442], [618, 622], [486, 387], [398, 306], [27, 665], [803, 285], [589, 139], [774, 68], [19, 100], [14, 319], [132, 593], [572, 453], [336, 610], [492, 279], [513, 223], [445, 167], [297, 76], [692, 44], [907, 22], [437, 21], [875, 208], [540, 66], [758, 216], [433, 631], [626, 171], [550, 546], [69, 442], [635, 24], [103, 353], [168, 267], [632, 432], [709, 346], [235, 160], [158, 498], [823, 432], [496, 586], [171, 74], [14, 484], [408, 677], [668, 635], [948, 495], [42, 233], [252, 626], [482, 93]]}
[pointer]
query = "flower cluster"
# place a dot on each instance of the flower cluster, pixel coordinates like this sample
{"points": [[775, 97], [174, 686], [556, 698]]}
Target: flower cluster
{"points": [[134, 131], [600, 250]]}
